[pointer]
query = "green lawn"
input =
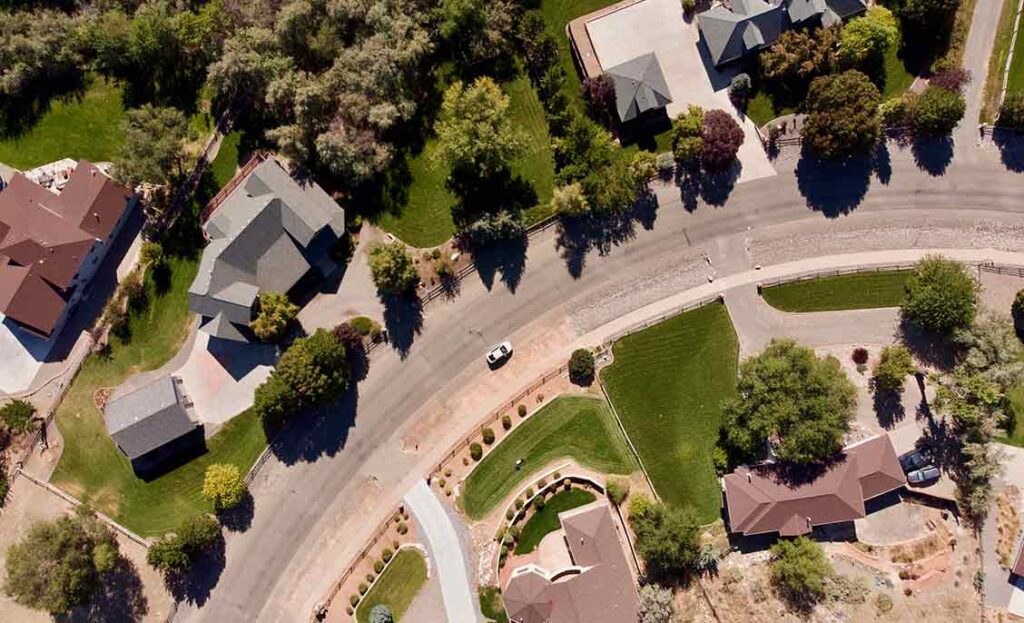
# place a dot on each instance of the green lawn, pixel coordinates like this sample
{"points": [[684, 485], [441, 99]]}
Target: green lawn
{"points": [[1015, 80], [423, 218], [856, 291], [545, 521], [667, 384], [1015, 437], [491, 604], [84, 126], [225, 164], [997, 61], [397, 586], [897, 78], [92, 469], [577, 427], [761, 108]]}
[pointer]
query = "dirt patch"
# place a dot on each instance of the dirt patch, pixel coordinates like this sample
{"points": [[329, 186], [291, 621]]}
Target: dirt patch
{"points": [[101, 396], [1007, 524]]}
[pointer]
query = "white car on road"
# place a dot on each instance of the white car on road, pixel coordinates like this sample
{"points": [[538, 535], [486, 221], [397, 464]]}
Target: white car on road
{"points": [[499, 353]]}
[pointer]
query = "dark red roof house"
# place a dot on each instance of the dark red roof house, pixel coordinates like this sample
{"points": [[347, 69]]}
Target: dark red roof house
{"points": [[48, 239], [759, 501]]}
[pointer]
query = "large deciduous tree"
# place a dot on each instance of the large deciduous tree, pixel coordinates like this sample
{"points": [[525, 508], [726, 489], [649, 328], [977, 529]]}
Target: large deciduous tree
{"points": [[797, 56], [59, 564], [941, 295], [667, 537], [799, 569], [392, 268], [313, 371], [937, 110], [276, 312], [788, 395], [474, 130], [173, 554], [223, 486], [153, 148], [842, 115], [721, 138], [864, 40]]}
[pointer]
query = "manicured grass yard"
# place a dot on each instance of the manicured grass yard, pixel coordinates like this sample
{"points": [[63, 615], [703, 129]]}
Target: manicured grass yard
{"points": [[545, 521], [856, 291], [83, 126], [225, 164], [1015, 81], [425, 220], [897, 78], [397, 587], [92, 469], [1015, 437], [667, 384], [997, 61], [577, 427]]}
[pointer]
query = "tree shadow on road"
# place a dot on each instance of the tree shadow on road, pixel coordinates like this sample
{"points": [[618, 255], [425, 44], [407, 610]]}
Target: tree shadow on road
{"points": [[711, 188], [507, 257], [238, 518], [833, 188], [932, 350], [403, 319], [120, 598], [318, 432], [578, 236], [195, 585], [932, 154], [888, 406], [1011, 148]]}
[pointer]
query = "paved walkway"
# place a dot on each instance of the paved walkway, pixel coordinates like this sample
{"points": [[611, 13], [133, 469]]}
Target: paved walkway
{"points": [[446, 550], [984, 24]]}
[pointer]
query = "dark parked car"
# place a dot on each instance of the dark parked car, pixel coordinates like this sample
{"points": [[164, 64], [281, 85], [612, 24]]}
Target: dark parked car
{"points": [[920, 476], [913, 460]]}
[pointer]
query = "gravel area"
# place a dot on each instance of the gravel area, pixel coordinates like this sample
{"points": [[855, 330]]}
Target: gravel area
{"points": [[621, 296], [876, 233]]}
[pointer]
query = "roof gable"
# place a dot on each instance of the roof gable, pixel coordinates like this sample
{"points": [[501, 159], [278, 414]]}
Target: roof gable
{"points": [[639, 86], [148, 417]]}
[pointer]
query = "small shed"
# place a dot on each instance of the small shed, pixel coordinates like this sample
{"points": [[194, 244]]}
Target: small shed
{"points": [[152, 427]]}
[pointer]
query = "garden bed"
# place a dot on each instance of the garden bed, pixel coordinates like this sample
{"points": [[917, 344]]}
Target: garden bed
{"points": [[397, 586]]}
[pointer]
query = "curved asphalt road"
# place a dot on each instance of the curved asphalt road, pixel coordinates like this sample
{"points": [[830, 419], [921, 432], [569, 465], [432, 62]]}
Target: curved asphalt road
{"points": [[299, 495]]}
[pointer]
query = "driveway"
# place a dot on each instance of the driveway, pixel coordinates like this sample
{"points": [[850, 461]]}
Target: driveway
{"points": [[446, 551], [658, 26]]}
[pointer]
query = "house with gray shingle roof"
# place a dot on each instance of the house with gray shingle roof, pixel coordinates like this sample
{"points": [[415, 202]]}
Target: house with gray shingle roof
{"points": [[741, 27], [152, 427], [639, 87], [267, 234]]}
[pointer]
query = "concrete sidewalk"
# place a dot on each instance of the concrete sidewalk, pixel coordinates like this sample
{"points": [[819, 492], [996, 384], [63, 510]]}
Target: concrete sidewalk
{"points": [[446, 550]]}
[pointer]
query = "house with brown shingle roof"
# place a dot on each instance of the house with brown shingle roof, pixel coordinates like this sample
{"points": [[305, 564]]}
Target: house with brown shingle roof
{"points": [[52, 243], [598, 587], [761, 500]]}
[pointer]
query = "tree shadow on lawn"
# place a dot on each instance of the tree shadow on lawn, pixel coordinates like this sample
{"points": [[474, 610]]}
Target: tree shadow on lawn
{"points": [[195, 585], [932, 154], [120, 598], [318, 432], [577, 236], [1011, 148]]}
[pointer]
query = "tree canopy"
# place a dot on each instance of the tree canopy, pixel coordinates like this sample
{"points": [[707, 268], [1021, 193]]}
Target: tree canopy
{"points": [[937, 110], [790, 396], [392, 268], [474, 130], [686, 134], [797, 56], [894, 364], [17, 416], [313, 370], [223, 486], [865, 39], [59, 564], [175, 553], [941, 295], [799, 569], [842, 115], [667, 537], [153, 148], [721, 138], [276, 312]]}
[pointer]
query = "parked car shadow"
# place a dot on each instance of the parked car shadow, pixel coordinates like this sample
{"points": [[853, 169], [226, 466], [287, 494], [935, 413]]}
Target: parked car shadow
{"points": [[120, 598], [403, 319], [239, 518], [833, 188], [932, 153], [1011, 148], [195, 585], [578, 236]]}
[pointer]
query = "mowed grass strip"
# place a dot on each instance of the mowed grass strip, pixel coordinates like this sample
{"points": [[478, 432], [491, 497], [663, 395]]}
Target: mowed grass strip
{"points": [[84, 125], [856, 291], [545, 521], [577, 427], [91, 467], [397, 586], [667, 384]]}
